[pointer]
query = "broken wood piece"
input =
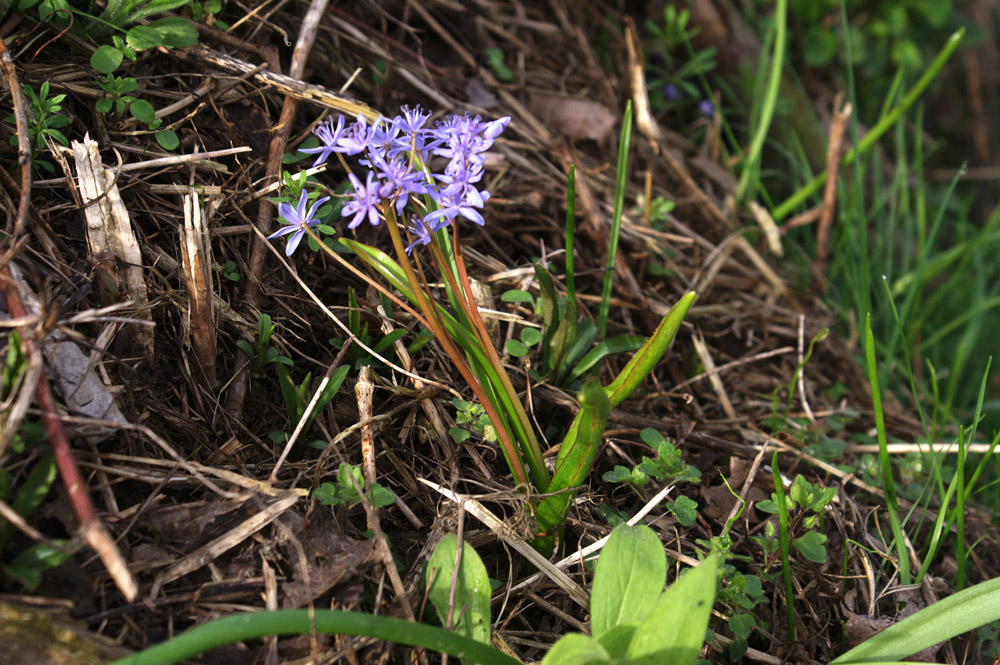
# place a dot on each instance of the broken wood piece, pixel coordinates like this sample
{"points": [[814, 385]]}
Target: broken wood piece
{"points": [[199, 321], [112, 243]]}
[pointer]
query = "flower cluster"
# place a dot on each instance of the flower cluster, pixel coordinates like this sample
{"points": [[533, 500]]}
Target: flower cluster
{"points": [[394, 151]]}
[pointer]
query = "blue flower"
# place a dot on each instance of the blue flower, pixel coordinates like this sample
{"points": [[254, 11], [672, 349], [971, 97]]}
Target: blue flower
{"points": [[421, 234], [297, 219], [329, 136], [706, 108], [399, 180], [358, 137], [364, 202]]}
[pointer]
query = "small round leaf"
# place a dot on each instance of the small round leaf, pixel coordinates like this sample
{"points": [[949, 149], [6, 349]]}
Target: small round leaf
{"points": [[106, 59], [167, 139]]}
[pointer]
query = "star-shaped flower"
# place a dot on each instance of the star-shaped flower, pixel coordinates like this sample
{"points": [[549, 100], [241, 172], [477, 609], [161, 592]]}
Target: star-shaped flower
{"points": [[296, 220]]}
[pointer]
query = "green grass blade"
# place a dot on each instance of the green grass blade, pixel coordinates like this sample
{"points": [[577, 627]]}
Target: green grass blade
{"points": [[570, 232], [786, 569], [888, 485], [876, 133], [616, 220], [959, 613], [249, 626], [770, 100]]}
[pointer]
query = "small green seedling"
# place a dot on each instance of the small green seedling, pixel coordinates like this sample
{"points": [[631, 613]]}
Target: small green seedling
{"points": [[261, 353], [811, 499], [229, 271], [633, 620], [666, 467], [473, 416], [344, 492], [44, 122]]}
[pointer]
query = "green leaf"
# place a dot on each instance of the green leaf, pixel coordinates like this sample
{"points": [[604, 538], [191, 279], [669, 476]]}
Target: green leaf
{"points": [[629, 578], [619, 474], [768, 506], [684, 509], [812, 547], [576, 649], [609, 347], [576, 455], [517, 295], [142, 111], [254, 625], [674, 630], [742, 624], [472, 591], [143, 37], [106, 59], [531, 336], [175, 31], [516, 348], [495, 57], [167, 139], [616, 640], [381, 496], [643, 362], [103, 105], [28, 566]]}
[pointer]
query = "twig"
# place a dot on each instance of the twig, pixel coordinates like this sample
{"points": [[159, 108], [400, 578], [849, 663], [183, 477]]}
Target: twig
{"points": [[23, 141], [76, 487]]}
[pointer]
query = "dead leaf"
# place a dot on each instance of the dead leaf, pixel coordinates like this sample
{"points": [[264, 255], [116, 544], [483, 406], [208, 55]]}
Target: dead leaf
{"points": [[572, 117], [330, 556]]}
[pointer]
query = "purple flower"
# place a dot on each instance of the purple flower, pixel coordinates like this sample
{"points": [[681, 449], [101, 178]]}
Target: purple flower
{"points": [[297, 219], [357, 138], [672, 92], [364, 202], [457, 201], [399, 180], [706, 108], [421, 234], [413, 119], [329, 136]]}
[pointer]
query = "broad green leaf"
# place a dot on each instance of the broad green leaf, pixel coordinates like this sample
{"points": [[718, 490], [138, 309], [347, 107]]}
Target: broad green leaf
{"points": [[472, 591], [643, 362], [629, 578], [142, 37], [31, 494], [958, 613], [616, 640], [142, 111], [175, 31], [106, 59], [103, 105], [812, 546], [674, 629], [576, 649], [576, 455]]}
